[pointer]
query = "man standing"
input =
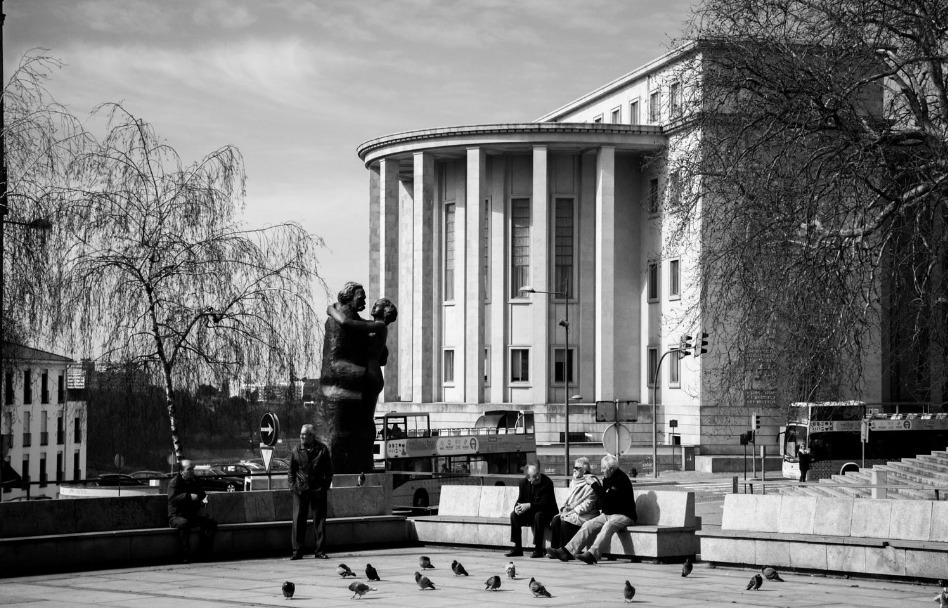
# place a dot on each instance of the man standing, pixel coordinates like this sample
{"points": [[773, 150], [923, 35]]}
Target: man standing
{"points": [[309, 478], [185, 501], [536, 506], [579, 507], [618, 511]]}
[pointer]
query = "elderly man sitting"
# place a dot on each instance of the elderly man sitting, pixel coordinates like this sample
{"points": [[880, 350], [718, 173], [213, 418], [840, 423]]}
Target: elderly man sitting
{"points": [[578, 508], [536, 506], [618, 511]]}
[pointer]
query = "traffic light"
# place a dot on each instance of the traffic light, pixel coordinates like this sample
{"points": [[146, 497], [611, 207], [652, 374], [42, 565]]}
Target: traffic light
{"points": [[701, 347], [747, 437], [755, 422], [685, 345]]}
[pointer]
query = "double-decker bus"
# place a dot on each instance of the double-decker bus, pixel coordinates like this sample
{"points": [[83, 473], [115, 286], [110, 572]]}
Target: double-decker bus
{"points": [[500, 443], [833, 431]]}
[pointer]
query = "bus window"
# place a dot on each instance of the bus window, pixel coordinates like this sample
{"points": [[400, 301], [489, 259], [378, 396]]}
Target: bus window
{"points": [[835, 446]]}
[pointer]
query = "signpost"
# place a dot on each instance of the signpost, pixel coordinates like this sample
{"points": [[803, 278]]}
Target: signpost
{"points": [[269, 436], [864, 438]]}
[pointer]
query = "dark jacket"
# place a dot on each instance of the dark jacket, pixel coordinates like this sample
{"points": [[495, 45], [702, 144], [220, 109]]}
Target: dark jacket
{"points": [[310, 471], [180, 503], [804, 459], [615, 495], [540, 496]]}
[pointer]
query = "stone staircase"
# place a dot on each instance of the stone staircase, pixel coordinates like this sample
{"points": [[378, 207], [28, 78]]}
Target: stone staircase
{"points": [[924, 469]]}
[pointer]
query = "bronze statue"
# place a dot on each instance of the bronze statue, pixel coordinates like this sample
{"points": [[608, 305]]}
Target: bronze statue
{"points": [[354, 352]]}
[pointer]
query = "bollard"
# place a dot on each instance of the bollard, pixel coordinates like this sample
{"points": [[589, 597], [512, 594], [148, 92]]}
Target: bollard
{"points": [[734, 485], [878, 478]]}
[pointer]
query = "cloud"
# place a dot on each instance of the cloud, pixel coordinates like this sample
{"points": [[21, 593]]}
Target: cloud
{"points": [[222, 13]]}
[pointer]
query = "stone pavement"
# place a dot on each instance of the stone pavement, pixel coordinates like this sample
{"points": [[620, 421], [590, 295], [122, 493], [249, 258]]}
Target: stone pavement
{"points": [[257, 583]]}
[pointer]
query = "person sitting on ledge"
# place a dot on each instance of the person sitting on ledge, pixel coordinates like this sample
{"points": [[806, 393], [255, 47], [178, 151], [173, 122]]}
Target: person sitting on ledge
{"points": [[579, 507], [536, 506], [618, 511], [185, 501]]}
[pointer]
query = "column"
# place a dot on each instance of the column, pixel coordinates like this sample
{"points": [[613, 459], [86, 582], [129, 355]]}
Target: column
{"points": [[500, 267], [375, 242], [605, 273], [539, 273], [423, 278], [388, 264], [406, 288], [474, 287]]}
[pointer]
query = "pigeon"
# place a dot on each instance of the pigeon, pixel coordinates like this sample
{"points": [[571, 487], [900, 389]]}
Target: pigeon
{"points": [[755, 583], [771, 574], [687, 567], [511, 570], [344, 571], [538, 589], [423, 581], [458, 568], [493, 583], [361, 480], [629, 592], [371, 573], [288, 590], [425, 562], [359, 589]]}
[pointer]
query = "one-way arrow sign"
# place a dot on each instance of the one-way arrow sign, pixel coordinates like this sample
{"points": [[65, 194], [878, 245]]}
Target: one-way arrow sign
{"points": [[269, 429]]}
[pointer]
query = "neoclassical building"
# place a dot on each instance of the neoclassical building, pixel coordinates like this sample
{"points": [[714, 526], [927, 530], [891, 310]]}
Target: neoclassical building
{"points": [[462, 218]]}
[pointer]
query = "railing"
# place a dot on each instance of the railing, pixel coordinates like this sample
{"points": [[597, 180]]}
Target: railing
{"points": [[761, 486]]}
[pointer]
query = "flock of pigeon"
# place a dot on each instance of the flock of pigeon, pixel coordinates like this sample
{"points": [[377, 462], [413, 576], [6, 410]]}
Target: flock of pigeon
{"points": [[493, 583]]}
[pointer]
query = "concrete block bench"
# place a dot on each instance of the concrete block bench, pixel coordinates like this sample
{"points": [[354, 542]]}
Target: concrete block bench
{"points": [[480, 516], [899, 538]]}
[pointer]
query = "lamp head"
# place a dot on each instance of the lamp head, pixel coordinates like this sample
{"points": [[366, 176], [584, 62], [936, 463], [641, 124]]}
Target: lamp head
{"points": [[527, 289]]}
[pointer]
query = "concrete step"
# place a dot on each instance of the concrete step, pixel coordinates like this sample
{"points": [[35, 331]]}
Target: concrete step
{"points": [[936, 477], [930, 465], [848, 489], [936, 457], [914, 478]]}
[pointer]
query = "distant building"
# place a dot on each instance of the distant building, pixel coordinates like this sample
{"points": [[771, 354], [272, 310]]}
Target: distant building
{"points": [[43, 427]]}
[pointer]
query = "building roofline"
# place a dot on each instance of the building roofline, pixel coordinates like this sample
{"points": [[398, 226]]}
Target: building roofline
{"points": [[621, 81], [21, 352]]}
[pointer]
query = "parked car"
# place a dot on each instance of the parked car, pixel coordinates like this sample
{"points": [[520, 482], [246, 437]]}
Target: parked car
{"points": [[213, 479], [241, 469], [118, 479], [146, 475]]}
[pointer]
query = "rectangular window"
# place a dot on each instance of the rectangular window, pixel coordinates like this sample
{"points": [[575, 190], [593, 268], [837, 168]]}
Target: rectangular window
{"points": [[43, 472], [61, 390], [652, 365], [674, 369], [520, 245], [653, 200], [27, 387], [486, 366], [44, 387], [449, 210], [59, 467], [60, 431], [564, 247], [8, 389], [598, 119], [76, 470], [25, 473], [674, 99], [27, 430], [617, 115], [563, 365], [485, 249], [519, 364], [653, 282], [77, 429], [634, 112], [448, 369], [674, 190], [674, 285], [655, 107], [44, 428]]}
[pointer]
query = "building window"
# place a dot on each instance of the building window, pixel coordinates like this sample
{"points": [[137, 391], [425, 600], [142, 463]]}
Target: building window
{"points": [[653, 201], [61, 389], [564, 248], [44, 387], [27, 423], [563, 365], [674, 190], [44, 428], [60, 431], [653, 282], [486, 366], [674, 99], [25, 474], [8, 389], [449, 210], [76, 470], [519, 364], [674, 369], [598, 119], [617, 115], [634, 112], [448, 369], [485, 249], [652, 365], [59, 467], [674, 282], [520, 246], [77, 430], [655, 107], [43, 474], [27, 387]]}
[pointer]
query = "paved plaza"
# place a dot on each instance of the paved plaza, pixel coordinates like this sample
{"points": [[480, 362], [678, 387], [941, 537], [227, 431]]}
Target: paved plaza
{"points": [[257, 583]]}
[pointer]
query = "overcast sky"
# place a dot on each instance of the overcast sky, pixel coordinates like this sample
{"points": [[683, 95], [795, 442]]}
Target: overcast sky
{"points": [[297, 85]]}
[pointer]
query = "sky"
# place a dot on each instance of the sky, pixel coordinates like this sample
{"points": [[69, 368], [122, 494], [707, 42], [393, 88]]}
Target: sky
{"points": [[297, 85]]}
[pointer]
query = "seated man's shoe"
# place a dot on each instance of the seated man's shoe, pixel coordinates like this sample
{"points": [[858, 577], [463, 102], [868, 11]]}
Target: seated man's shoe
{"points": [[563, 555], [515, 552], [537, 553], [551, 553], [587, 558], [296, 556], [321, 555]]}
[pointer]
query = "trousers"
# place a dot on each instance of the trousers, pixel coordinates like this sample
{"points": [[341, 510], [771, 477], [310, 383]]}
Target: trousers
{"points": [[561, 532], [538, 520], [596, 534], [304, 503], [184, 525]]}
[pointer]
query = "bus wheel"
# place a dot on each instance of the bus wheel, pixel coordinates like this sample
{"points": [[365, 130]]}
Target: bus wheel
{"points": [[849, 467], [499, 483], [421, 498]]}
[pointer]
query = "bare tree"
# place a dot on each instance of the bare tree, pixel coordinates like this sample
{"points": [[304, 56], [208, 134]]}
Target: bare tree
{"points": [[814, 159], [160, 271]]}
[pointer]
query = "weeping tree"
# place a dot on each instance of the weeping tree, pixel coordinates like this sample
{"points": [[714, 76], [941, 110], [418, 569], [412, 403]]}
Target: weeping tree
{"points": [[159, 271], [814, 162]]}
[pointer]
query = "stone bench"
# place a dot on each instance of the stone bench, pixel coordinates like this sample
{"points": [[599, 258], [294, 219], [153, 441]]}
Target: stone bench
{"points": [[480, 516], [901, 538]]}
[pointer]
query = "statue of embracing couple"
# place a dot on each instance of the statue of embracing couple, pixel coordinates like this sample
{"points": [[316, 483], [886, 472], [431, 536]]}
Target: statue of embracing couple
{"points": [[354, 352]]}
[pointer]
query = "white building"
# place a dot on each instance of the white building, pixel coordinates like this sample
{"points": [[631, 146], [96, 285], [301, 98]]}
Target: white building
{"points": [[43, 430]]}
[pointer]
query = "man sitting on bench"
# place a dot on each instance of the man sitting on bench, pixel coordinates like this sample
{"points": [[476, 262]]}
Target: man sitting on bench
{"points": [[536, 506]]}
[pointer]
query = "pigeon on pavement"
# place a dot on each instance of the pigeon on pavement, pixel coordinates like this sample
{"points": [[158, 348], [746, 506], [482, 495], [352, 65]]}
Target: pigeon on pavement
{"points": [[493, 583], [371, 573], [425, 562], [344, 571], [687, 567], [458, 569], [361, 480], [511, 570], [288, 590], [424, 582], [538, 589], [755, 582], [359, 589], [771, 574], [629, 592]]}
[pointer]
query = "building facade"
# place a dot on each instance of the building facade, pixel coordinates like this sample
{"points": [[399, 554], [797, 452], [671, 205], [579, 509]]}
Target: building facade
{"points": [[43, 429]]}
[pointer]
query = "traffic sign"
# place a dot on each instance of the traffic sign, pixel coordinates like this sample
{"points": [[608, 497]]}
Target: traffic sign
{"points": [[617, 410], [267, 453], [269, 429], [616, 439]]}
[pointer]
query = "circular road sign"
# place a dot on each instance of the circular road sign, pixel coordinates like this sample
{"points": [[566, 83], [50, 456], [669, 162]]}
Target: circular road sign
{"points": [[269, 429], [616, 439]]}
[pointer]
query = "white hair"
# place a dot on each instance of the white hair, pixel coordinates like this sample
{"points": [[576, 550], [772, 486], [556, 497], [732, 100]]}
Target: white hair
{"points": [[609, 462], [583, 461]]}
